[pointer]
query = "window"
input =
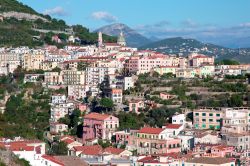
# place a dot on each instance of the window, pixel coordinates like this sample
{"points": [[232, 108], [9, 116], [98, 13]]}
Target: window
{"points": [[218, 115], [196, 114], [203, 120], [210, 120], [203, 114], [211, 114]]}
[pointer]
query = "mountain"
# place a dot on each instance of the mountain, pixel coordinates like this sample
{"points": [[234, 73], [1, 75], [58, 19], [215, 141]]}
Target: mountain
{"points": [[183, 47], [23, 26], [133, 38]]}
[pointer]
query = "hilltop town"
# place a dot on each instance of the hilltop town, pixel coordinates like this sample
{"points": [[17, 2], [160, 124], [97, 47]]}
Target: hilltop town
{"points": [[110, 104]]}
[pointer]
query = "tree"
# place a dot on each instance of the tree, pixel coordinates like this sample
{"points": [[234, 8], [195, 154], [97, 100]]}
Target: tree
{"points": [[59, 148], [235, 101], [107, 103]]}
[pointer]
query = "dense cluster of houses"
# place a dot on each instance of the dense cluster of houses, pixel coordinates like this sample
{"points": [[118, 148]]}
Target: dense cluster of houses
{"points": [[214, 137]]}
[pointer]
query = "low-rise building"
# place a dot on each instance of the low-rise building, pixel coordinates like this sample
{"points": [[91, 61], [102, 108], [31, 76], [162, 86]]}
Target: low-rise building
{"points": [[100, 126]]}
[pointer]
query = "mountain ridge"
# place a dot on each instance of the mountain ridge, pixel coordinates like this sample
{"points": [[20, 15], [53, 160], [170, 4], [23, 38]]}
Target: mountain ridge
{"points": [[185, 46]]}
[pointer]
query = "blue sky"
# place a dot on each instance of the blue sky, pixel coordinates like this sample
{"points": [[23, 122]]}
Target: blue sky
{"points": [[204, 19]]}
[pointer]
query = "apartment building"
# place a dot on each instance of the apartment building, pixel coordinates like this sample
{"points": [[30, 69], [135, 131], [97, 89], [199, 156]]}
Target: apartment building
{"points": [[52, 78], [207, 118], [9, 62], [73, 77], [33, 61]]}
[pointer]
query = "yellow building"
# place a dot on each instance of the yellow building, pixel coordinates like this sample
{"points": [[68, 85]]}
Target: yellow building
{"points": [[33, 61]]}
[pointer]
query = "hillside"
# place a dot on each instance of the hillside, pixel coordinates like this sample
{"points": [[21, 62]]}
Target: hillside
{"points": [[183, 47], [23, 26], [134, 39]]}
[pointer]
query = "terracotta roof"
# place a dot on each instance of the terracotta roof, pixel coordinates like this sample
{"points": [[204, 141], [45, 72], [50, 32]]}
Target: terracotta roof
{"points": [[71, 160], [68, 141], [89, 150], [21, 148], [150, 130], [147, 159], [53, 159], [208, 160], [173, 126], [113, 150], [96, 116]]}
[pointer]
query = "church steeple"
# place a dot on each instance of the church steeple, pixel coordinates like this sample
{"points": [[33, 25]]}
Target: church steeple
{"points": [[121, 39], [100, 42]]}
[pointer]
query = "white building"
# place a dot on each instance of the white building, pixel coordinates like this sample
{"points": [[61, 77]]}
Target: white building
{"points": [[179, 119], [58, 99]]}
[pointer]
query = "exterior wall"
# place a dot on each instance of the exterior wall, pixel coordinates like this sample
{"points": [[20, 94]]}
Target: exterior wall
{"points": [[33, 61], [207, 139], [102, 129], [52, 78], [166, 96], [9, 62], [241, 141], [77, 91], [128, 83], [164, 70], [134, 106], [179, 119], [206, 118], [116, 95], [71, 77], [56, 128], [157, 146], [58, 99]]}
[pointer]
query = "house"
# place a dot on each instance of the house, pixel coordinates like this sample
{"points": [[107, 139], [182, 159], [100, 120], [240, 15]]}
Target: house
{"points": [[60, 161], [179, 119], [126, 137], [156, 141], [173, 130], [207, 138], [100, 126], [57, 128], [86, 151], [32, 77], [70, 141], [30, 150], [116, 95], [136, 105], [166, 96]]}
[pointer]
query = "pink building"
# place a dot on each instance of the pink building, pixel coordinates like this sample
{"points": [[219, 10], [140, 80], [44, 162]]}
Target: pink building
{"points": [[126, 137], [166, 96], [101, 126], [137, 64], [136, 105], [222, 151]]}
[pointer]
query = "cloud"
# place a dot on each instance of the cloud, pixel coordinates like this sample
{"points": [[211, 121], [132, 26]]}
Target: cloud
{"points": [[245, 25], [57, 11], [189, 23], [104, 16]]}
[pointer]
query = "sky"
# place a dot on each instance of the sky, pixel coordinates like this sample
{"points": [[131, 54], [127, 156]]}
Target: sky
{"points": [[202, 19]]}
